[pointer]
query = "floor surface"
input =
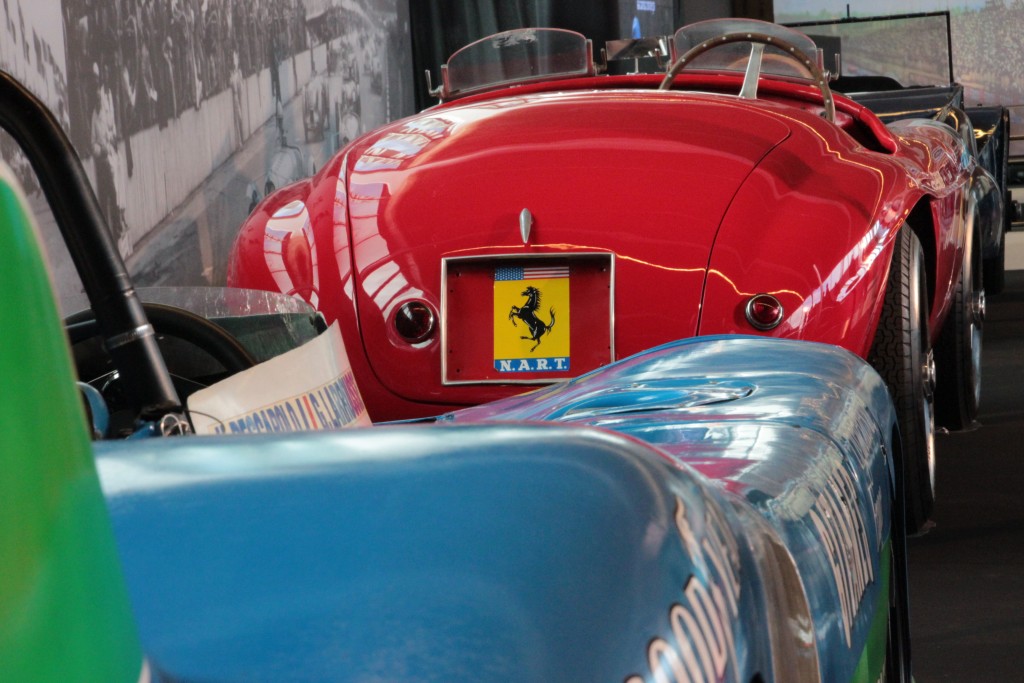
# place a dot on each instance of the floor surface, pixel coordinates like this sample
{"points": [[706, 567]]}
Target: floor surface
{"points": [[967, 573]]}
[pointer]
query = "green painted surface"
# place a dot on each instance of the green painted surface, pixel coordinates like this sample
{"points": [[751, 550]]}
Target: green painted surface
{"points": [[64, 612], [872, 659]]}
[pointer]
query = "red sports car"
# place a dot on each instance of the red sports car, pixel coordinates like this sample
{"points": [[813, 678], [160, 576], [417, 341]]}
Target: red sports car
{"points": [[548, 217]]}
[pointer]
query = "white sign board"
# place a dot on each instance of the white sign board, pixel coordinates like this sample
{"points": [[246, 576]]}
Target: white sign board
{"points": [[308, 388]]}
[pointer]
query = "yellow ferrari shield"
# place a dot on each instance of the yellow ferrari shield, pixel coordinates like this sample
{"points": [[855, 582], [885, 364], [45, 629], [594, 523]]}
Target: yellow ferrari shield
{"points": [[531, 319]]}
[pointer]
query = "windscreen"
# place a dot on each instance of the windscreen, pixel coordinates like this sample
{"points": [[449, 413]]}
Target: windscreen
{"points": [[913, 50], [517, 56], [734, 56]]}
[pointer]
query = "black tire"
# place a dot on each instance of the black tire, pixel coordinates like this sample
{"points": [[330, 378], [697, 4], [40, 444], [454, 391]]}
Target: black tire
{"points": [[902, 355], [994, 271], [958, 350], [994, 267]]}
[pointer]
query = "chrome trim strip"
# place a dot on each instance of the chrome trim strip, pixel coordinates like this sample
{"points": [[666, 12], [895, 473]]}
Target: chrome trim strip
{"points": [[611, 309], [444, 319]]}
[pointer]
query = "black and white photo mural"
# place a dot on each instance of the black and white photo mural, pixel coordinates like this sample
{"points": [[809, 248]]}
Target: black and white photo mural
{"points": [[187, 112], [987, 43], [32, 50]]}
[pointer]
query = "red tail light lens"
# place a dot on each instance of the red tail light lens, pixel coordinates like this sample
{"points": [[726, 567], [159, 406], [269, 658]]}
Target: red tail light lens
{"points": [[764, 312], [415, 321]]}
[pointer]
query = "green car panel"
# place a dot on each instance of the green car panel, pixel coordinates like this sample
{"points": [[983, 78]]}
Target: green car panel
{"points": [[55, 624]]}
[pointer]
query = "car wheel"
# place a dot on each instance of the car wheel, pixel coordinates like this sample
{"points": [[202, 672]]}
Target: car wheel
{"points": [[902, 355], [958, 351]]}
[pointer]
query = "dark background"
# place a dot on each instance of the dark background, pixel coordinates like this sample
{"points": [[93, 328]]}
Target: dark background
{"points": [[442, 26]]}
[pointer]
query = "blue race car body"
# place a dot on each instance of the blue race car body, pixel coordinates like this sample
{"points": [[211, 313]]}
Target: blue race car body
{"points": [[737, 525]]}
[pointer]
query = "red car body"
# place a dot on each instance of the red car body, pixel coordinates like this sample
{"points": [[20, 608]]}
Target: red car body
{"points": [[670, 208]]}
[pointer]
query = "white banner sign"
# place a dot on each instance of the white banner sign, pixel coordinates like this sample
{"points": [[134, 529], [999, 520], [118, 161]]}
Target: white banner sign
{"points": [[308, 388]]}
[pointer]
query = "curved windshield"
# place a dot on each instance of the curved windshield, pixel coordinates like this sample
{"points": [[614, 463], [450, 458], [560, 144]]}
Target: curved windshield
{"points": [[211, 302], [219, 302], [734, 56], [266, 323], [517, 56]]}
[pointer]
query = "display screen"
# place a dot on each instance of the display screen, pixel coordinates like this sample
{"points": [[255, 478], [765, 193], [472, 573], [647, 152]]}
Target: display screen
{"points": [[645, 18]]}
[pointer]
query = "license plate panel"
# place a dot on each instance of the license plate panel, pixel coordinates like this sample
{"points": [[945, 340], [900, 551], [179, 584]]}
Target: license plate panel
{"points": [[514, 319]]}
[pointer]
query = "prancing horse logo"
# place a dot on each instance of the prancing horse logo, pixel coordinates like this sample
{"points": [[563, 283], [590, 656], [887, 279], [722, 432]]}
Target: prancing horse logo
{"points": [[528, 314]]}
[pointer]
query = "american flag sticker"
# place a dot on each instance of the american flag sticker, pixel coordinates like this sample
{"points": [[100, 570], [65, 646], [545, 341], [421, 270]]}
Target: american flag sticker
{"points": [[532, 319], [507, 273]]}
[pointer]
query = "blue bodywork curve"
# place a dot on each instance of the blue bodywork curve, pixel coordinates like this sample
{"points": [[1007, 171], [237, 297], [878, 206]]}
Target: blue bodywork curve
{"points": [[695, 506]]}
